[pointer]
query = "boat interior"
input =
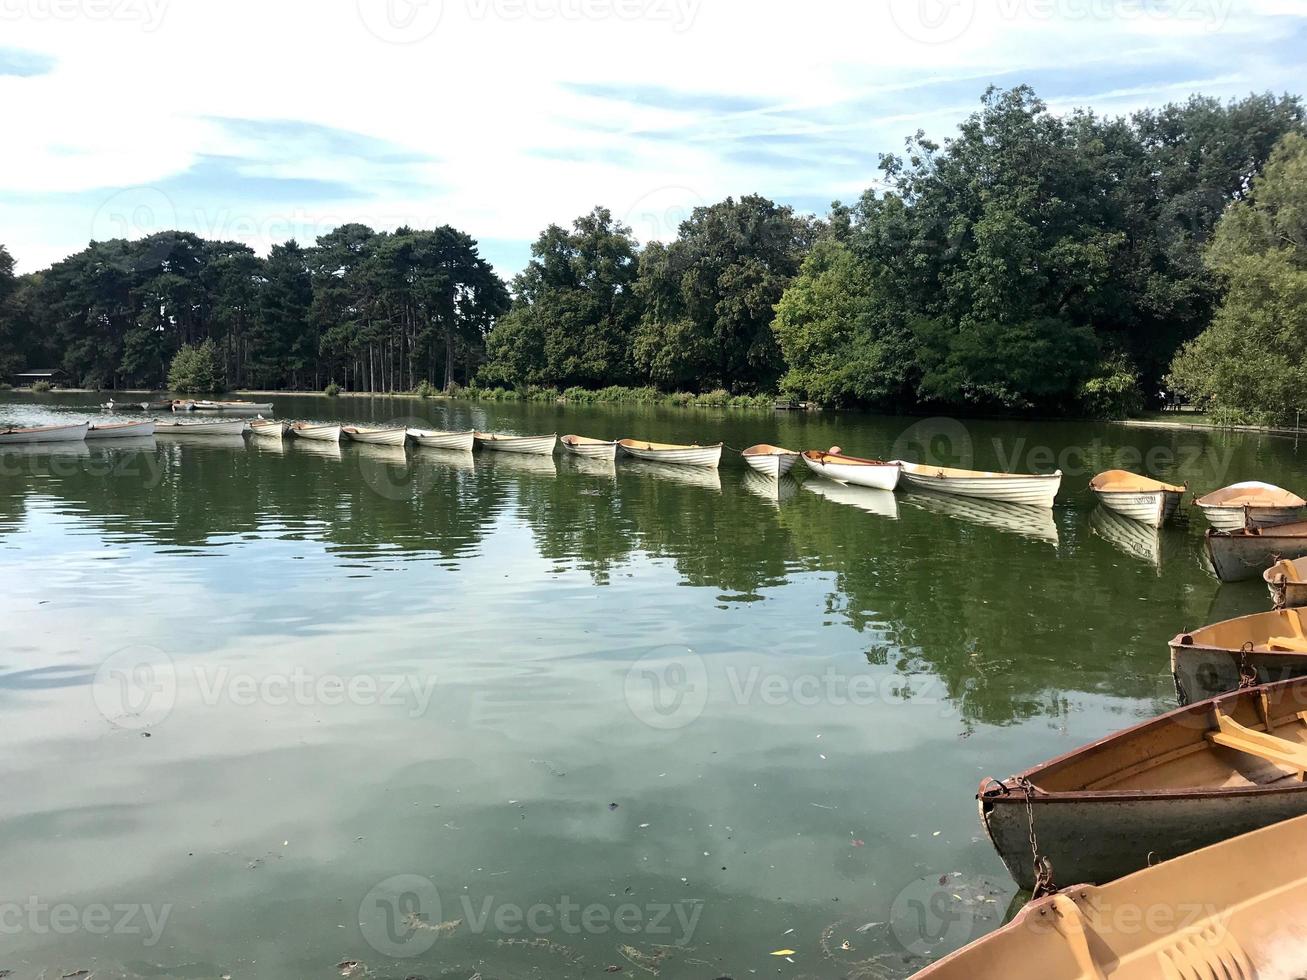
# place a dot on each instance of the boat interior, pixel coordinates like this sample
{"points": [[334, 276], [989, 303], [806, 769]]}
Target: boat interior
{"points": [[1298, 530], [641, 444], [1284, 570], [1252, 495], [766, 450], [1278, 631], [1123, 481], [586, 441], [817, 456], [920, 469]]}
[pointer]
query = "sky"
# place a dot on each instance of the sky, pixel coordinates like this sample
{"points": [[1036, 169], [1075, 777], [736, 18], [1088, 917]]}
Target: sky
{"points": [[262, 120]]}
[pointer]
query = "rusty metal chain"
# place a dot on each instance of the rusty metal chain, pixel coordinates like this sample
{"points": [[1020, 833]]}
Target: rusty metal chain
{"points": [[1247, 672], [1041, 867]]}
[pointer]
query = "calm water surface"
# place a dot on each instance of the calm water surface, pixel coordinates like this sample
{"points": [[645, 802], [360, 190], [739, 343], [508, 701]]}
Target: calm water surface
{"points": [[667, 721]]}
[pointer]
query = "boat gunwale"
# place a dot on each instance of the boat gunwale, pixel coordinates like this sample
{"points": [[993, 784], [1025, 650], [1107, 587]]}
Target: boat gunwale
{"points": [[653, 447], [820, 457], [1148, 485], [1207, 503], [575, 440], [953, 473], [765, 450]]}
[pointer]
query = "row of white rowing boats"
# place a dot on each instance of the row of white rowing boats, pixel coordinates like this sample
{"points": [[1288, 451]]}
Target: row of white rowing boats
{"points": [[1232, 508]]}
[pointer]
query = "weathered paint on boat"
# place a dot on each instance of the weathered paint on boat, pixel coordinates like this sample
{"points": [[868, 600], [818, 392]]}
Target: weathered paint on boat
{"points": [[590, 448], [526, 445], [1287, 582], [434, 439], [44, 433], [875, 474], [121, 430], [1261, 648], [1037, 490], [1152, 792], [269, 429], [233, 428], [708, 457], [1137, 497], [1232, 911], [388, 436], [315, 433], [1246, 553], [771, 461], [1251, 504]]}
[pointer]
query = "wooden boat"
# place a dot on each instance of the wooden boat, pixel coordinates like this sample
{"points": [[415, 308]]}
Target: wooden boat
{"points": [[881, 503], [1261, 648], [1231, 911], [388, 436], [316, 432], [202, 428], [1247, 553], [772, 461], [872, 473], [1287, 581], [203, 405], [1137, 497], [121, 430], [269, 428], [589, 448], [435, 439], [43, 433], [1187, 779], [529, 445], [1251, 504], [672, 454], [1037, 490]]}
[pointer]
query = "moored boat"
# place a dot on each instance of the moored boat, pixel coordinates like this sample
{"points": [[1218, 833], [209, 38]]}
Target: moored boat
{"points": [[1195, 776], [528, 445], [1034, 489], [1248, 552], [1287, 581], [834, 465], [386, 436], [235, 427], [1261, 648], [269, 428], [672, 454], [1251, 504], [462, 442], [204, 405], [589, 448], [14, 436], [121, 430], [1139, 498], [772, 461], [1233, 911], [315, 431]]}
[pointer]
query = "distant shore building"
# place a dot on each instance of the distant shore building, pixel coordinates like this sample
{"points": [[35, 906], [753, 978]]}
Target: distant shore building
{"points": [[52, 376]]}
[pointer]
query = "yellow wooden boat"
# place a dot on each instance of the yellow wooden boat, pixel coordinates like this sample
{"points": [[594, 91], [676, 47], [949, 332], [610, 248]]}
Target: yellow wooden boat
{"points": [[1257, 649]]}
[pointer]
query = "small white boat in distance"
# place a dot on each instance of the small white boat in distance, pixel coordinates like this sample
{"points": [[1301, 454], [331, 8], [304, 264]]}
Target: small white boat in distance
{"points": [[1137, 497], [44, 433], [461, 442], [1036, 490], [318, 433], [834, 465], [235, 427], [772, 461], [590, 448], [388, 436], [202, 405], [269, 428], [527, 445], [1251, 504], [670, 453], [121, 430]]}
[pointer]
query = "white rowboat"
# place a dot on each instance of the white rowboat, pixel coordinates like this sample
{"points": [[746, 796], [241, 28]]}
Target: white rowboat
{"points": [[235, 427], [249, 408], [1251, 504], [590, 448], [672, 454], [1137, 497], [433, 439], [318, 433], [772, 461], [872, 473], [121, 430], [44, 433], [269, 429], [393, 436], [528, 445], [1012, 488]]}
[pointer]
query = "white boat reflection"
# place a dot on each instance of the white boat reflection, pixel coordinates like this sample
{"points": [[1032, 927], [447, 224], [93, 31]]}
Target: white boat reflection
{"points": [[1135, 539], [526, 463], [703, 477], [588, 465], [450, 458], [882, 503], [774, 491], [316, 447], [1025, 519]]}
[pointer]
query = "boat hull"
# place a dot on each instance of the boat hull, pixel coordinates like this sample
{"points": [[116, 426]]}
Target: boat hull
{"points": [[40, 434], [242, 408], [132, 430], [884, 477], [1237, 518], [775, 465], [1009, 488], [1237, 557], [591, 450], [1205, 672], [523, 445], [269, 430], [203, 429], [381, 437], [317, 433], [462, 442], [704, 457], [1153, 508]]}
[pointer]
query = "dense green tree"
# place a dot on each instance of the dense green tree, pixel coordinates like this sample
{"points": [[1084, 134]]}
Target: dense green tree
{"points": [[197, 369], [1251, 363], [281, 346], [11, 341]]}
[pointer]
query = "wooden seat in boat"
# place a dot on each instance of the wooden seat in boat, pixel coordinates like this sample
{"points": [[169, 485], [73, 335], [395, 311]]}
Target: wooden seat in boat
{"points": [[1262, 745], [1288, 644]]}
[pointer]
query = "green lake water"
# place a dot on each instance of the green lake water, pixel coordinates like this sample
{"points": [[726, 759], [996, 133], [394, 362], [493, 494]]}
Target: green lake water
{"points": [[269, 710]]}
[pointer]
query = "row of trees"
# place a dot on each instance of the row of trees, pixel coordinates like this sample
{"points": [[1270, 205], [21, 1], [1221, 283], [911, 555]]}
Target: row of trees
{"points": [[1032, 261]]}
